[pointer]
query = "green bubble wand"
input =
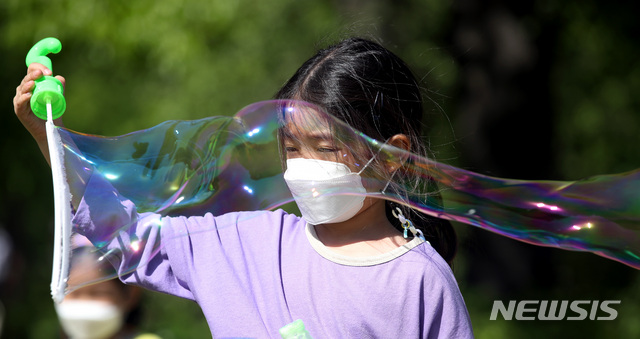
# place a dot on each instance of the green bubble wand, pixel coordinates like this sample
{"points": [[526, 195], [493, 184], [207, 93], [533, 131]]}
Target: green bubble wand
{"points": [[47, 94], [48, 103]]}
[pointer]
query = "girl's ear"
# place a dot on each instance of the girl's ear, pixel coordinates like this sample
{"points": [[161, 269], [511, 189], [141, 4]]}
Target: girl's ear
{"points": [[400, 141]]}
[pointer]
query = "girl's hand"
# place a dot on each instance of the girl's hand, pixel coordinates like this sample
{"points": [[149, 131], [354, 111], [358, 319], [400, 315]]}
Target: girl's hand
{"points": [[22, 107]]}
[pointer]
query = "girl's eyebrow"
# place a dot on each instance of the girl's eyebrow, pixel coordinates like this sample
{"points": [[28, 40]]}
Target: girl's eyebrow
{"points": [[319, 136], [316, 135]]}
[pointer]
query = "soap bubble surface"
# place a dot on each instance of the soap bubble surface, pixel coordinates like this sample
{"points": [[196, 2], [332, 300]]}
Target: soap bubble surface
{"points": [[221, 164]]}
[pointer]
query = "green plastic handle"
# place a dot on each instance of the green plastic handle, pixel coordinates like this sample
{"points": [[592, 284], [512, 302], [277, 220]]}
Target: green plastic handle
{"points": [[48, 89], [38, 53]]}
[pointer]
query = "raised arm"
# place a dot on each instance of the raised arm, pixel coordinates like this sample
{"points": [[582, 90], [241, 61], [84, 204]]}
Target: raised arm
{"points": [[22, 108]]}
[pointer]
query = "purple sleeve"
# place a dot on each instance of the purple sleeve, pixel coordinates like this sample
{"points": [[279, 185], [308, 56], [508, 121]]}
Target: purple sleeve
{"points": [[132, 241], [449, 318]]}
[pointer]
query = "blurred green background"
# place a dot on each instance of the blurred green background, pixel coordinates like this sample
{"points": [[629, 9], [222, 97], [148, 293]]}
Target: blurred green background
{"points": [[520, 89]]}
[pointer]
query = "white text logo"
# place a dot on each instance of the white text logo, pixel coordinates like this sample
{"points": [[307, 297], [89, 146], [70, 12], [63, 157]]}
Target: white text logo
{"points": [[555, 310]]}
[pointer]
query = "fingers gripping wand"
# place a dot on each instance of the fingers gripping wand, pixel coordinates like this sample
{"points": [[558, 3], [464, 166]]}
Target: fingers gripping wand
{"points": [[48, 103]]}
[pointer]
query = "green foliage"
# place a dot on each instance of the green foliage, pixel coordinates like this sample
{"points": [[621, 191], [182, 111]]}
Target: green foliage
{"points": [[171, 59], [594, 83]]}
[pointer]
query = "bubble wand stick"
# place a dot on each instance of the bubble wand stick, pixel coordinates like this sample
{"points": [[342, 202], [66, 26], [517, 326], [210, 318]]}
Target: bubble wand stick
{"points": [[48, 103]]}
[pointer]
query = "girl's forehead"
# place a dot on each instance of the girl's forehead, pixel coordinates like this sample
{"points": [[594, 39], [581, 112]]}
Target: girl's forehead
{"points": [[306, 122], [292, 133]]}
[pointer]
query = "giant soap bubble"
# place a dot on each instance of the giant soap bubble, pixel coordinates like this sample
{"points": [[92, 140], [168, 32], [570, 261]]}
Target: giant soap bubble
{"points": [[129, 185]]}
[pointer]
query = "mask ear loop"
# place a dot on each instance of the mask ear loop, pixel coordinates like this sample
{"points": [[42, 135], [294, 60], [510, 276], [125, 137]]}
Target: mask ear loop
{"points": [[373, 158], [395, 170], [388, 182], [407, 225]]}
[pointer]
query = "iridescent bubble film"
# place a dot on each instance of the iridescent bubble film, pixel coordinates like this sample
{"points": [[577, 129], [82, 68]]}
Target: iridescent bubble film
{"points": [[128, 185]]}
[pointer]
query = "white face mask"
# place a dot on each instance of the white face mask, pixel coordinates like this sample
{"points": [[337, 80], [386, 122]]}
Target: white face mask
{"points": [[325, 191], [89, 319]]}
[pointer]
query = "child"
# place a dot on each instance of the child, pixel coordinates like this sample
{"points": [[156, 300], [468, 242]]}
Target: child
{"points": [[105, 310], [344, 268]]}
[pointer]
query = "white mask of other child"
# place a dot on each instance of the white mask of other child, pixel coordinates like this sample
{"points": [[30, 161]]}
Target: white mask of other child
{"points": [[89, 319], [325, 191]]}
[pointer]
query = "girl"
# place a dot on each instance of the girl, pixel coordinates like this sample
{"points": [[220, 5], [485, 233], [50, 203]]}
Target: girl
{"points": [[344, 268]]}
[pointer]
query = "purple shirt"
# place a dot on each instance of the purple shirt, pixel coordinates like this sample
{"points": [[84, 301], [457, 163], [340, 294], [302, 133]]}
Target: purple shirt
{"points": [[254, 272]]}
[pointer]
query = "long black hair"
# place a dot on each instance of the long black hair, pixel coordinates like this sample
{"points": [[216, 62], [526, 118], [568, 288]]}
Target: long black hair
{"points": [[370, 88]]}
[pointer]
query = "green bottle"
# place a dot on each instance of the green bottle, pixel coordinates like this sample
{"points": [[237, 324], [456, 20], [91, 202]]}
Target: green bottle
{"points": [[295, 330], [48, 89]]}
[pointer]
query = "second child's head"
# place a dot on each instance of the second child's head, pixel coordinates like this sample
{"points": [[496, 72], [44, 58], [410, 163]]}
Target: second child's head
{"points": [[103, 309]]}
